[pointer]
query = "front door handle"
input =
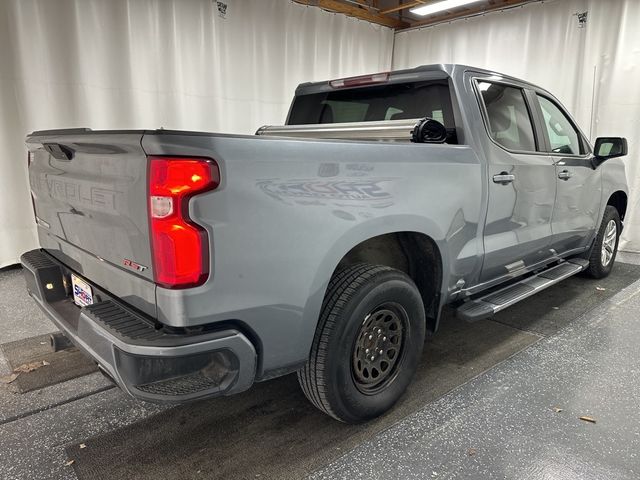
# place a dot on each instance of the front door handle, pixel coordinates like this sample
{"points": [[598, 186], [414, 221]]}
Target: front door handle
{"points": [[504, 178], [564, 175]]}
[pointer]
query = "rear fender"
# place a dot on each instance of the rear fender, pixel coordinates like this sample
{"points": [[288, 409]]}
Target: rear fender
{"points": [[355, 236]]}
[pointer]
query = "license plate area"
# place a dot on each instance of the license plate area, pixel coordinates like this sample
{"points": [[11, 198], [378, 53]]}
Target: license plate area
{"points": [[82, 292]]}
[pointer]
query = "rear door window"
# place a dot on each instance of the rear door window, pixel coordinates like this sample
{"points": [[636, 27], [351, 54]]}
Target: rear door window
{"points": [[509, 119]]}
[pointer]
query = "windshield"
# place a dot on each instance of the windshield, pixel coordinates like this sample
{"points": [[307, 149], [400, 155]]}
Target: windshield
{"points": [[381, 102]]}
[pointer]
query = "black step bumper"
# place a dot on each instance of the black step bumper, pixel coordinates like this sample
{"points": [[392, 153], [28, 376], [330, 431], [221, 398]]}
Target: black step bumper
{"points": [[142, 359]]}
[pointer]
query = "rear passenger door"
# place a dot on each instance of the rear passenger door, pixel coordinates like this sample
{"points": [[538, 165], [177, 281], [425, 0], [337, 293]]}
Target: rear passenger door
{"points": [[579, 186], [522, 182]]}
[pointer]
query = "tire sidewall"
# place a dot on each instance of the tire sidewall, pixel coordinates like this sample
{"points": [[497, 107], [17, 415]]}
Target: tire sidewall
{"points": [[388, 286], [599, 270]]}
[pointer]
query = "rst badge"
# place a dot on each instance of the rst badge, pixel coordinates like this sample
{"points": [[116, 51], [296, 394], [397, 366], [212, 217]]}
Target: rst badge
{"points": [[133, 265]]}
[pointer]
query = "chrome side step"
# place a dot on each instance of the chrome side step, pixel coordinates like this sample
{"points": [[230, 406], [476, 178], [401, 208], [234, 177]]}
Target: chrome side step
{"points": [[490, 304]]}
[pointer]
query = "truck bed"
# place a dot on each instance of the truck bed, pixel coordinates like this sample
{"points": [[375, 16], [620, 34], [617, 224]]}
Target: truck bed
{"points": [[280, 202]]}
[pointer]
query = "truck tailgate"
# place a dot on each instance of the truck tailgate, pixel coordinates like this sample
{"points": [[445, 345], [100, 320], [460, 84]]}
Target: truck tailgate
{"points": [[90, 199]]}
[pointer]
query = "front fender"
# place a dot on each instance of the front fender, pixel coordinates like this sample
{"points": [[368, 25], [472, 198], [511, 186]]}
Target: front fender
{"points": [[614, 179]]}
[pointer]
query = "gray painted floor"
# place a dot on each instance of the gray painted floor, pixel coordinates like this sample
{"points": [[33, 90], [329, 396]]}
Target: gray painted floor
{"points": [[35, 426], [19, 316], [502, 424], [507, 422]]}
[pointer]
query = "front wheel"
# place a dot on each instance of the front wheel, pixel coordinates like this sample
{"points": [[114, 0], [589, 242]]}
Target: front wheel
{"points": [[367, 345], [605, 246]]}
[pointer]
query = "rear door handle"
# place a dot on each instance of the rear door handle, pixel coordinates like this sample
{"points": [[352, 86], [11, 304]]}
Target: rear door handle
{"points": [[564, 175], [504, 178]]}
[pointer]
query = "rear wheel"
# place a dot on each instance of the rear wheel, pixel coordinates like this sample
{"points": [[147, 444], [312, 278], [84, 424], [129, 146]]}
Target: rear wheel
{"points": [[605, 247], [367, 345]]}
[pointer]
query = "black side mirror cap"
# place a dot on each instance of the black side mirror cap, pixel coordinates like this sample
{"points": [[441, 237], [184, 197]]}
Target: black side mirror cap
{"points": [[610, 147]]}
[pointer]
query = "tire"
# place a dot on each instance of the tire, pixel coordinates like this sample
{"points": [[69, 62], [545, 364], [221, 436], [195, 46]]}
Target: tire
{"points": [[367, 308], [601, 264]]}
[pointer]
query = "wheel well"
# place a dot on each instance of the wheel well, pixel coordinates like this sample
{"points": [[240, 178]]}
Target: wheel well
{"points": [[619, 201], [413, 253]]}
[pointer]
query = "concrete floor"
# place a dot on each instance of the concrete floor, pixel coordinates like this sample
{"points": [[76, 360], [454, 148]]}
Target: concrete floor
{"points": [[502, 424], [521, 419]]}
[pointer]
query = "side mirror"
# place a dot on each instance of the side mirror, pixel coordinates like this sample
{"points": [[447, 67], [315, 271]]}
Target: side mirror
{"points": [[610, 147]]}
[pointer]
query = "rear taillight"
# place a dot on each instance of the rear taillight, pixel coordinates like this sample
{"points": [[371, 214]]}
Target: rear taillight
{"points": [[180, 247]]}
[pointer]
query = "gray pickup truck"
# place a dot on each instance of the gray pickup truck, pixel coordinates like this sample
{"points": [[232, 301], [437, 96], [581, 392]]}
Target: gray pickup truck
{"points": [[191, 265]]}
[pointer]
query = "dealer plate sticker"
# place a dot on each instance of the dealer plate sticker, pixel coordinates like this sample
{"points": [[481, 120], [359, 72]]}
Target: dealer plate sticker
{"points": [[82, 295]]}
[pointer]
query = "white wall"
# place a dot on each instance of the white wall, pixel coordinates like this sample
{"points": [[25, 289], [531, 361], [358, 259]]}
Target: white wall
{"points": [[542, 42], [151, 63]]}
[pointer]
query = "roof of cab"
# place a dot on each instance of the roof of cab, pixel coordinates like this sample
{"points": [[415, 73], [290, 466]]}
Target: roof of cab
{"points": [[436, 71]]}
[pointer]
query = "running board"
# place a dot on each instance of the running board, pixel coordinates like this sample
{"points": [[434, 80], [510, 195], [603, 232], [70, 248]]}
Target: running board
{"points": [[488, 305]]}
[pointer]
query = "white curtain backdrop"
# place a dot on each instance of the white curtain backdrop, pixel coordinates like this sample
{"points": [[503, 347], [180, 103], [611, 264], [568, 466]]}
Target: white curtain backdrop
{"points": [[181, 64], [594, 69]]}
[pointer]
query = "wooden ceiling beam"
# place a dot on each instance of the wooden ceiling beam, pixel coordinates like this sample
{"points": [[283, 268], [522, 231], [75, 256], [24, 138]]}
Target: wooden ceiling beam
{"points": [[403, 6], [355, 11], [367, 10], [493, 6]]}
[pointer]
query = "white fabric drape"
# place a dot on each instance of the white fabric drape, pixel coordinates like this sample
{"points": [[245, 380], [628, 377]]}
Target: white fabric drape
{"points": [[180, 64], [124, 64], [545, 44]]}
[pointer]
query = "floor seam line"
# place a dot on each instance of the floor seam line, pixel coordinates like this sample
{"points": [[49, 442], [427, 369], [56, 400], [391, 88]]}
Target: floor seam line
{"points": [[55, 405], [520, 329]]}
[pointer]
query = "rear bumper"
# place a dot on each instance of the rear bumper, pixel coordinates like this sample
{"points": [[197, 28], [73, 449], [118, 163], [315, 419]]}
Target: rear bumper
{"points": [[144, 361]]}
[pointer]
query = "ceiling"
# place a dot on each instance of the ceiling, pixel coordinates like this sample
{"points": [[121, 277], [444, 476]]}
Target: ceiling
{"points": [[396, 13]]}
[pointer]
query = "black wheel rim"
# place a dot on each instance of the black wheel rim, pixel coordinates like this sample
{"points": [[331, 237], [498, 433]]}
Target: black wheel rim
{"points": [[379, 348]]}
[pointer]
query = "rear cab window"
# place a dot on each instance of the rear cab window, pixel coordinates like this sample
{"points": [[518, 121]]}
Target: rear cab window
{"points": [[396, 101]]}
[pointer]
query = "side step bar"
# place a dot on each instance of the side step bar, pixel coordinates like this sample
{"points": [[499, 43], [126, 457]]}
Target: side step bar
{"points": [[490, 304]]}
